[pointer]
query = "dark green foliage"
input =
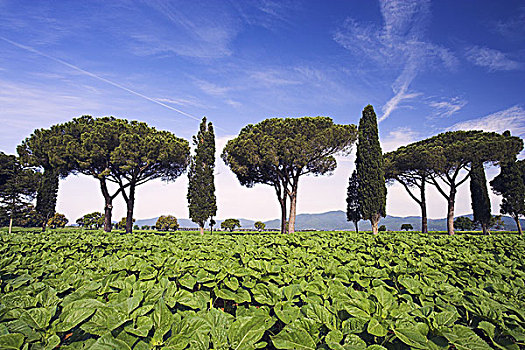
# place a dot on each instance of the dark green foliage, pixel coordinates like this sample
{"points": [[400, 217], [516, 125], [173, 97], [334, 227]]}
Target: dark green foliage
{"points": [[510, 183], [57, 220], [46, 197], [230, 224], [167, 223], [18, 187], [278, 151], [447, 155], [407, 227], [480, 196], [353, 212], [46, 149], [463, 223], [382, 228], [201, 188], [370, 169], [127, 153], [91, 221]]}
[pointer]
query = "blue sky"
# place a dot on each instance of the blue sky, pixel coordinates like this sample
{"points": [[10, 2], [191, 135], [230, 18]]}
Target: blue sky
{"points": [[426, 67]]}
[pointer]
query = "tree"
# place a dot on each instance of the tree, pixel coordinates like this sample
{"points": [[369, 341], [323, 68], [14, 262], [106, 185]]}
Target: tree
{"points": [[382, 228], [18, 187], [370, 171], [146, 227], [230, 224], [201, 188], [496, 222], [91, 221], [407, 227], [57, 220], [448, 157], [45, 149], [353, 212], [463, 223], [278, 151], [125, 153], [259, 226], [410, 167], [480, 196], [167, 223], [121, 225], [510, 183]]}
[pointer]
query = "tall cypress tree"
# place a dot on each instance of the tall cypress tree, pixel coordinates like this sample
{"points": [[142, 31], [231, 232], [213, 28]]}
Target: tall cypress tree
{"points": [[480, 196], [353, 212], [44, 149], [201, 188], [370, 171]]}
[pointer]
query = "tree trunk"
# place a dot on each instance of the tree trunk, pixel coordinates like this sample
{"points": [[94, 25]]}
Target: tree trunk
{"points": [[356, 228], [10, 224], [291, 218], [374, 221], [130, 204], [423, 205], [485, 229], [517, 219], [450, 211], [282, 202], [108, 205], [201, 229]]}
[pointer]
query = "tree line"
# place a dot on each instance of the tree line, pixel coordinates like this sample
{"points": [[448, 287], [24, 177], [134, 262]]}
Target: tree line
{"points": [[275, 152]]}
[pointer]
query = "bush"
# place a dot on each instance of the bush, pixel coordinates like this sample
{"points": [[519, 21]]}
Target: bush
{"points": [[259, 226], [230, 224], [167, 223], [407, 227], [382, 228]]}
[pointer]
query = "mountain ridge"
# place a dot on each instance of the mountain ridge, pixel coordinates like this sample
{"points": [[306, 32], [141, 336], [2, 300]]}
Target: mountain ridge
{"points": [[335, 220]]}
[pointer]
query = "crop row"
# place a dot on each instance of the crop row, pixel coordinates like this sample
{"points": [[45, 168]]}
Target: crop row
{"points": [[324, 290]]}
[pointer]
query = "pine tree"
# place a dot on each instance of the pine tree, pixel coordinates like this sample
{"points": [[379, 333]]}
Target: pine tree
{"points": [[369, 162], [353, 212], [480, 196], [201, 188], [510, 183]]}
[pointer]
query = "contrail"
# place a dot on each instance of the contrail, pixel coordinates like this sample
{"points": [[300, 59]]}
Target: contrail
{"points": [[33, 50]]}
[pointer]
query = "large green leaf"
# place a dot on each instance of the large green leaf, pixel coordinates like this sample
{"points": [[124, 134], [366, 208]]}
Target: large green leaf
{"points": [[162, 321], [295, 337], [11, 341], [376, 328], [246, 331], [464, 338], [38, 318], [107, 342]]}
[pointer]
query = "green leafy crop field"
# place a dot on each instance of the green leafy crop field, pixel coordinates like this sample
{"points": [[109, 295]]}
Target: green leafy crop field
{"points": [[315, 290]]}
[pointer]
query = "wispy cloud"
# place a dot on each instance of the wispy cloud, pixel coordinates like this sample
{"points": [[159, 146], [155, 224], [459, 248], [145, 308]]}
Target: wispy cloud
{"points": [[397, 138], [492, 59], [93, 75], [212, 88], [399, 44], [445, 108], [512, 119], [511, 28], [273, 78]]}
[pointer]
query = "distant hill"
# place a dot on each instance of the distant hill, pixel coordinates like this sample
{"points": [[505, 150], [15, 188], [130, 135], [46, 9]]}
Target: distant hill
{"points": [[336, 220]]}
